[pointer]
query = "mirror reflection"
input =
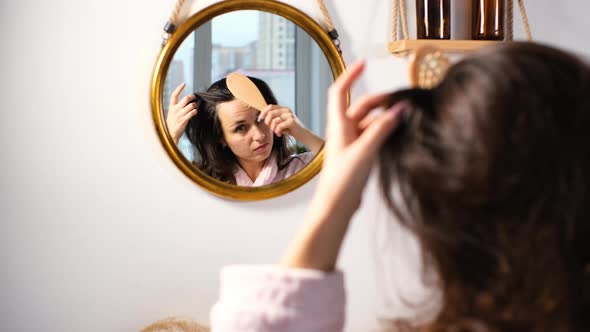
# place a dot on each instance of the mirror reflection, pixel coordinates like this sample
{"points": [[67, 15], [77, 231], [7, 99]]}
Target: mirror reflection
{"points": [[228, 138]]}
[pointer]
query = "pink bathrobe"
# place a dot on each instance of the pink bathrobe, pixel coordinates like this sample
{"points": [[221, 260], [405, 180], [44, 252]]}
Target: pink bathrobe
{"points": [[270, 172], [269, 298]]}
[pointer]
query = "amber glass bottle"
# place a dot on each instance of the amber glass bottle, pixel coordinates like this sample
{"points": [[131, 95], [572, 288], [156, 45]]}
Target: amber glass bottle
{"points": [[488, 19], [433, 19]]}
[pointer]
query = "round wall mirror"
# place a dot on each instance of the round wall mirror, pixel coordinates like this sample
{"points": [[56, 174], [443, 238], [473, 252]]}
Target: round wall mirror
{"points": [[224, 143]]}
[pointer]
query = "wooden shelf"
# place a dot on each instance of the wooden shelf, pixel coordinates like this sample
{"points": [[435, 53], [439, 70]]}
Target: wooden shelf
{"points": [[406, 46]]}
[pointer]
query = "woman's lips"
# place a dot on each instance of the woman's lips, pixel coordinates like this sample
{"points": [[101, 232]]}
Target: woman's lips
{"points": [[262, 147]]}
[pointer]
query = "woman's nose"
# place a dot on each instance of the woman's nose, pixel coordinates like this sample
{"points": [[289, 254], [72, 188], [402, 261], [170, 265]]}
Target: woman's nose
{"points": [[259, 133]]}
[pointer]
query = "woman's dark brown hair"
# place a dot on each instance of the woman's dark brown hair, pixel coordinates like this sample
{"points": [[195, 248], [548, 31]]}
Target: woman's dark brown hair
{"points": [[205, 133], [492, 169]]}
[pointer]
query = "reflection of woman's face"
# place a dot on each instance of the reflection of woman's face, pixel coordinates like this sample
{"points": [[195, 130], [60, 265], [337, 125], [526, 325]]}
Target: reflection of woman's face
{"points": [[248, 140]]}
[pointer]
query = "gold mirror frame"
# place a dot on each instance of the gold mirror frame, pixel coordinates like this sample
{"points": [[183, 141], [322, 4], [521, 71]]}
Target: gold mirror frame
{"points": [[163, 63]]}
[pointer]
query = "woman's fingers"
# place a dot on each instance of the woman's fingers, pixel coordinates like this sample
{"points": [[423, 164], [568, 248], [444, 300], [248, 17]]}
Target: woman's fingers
{"points": [[187, 99], [274, 123], [367, 120], [280, 120], [187, 109], [270, 116], [283, 128], [345, 81], [339, 89], [175, 94], [273, 111], [363, 105], [180, 112], [282, 113], [183, 106], [264, 113], [371, 139], [189, 115]]}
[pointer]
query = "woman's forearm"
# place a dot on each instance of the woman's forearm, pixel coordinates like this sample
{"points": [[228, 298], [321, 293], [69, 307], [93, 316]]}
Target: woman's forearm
{"points": [[317, 243], [313, 142]]}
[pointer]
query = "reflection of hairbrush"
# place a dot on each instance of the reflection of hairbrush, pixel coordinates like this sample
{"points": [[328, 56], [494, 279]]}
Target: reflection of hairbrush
{"points": [[245, 91]]}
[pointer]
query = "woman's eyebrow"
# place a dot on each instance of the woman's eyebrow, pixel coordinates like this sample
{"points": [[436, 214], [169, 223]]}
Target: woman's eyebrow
{"points": [[244, 120]]}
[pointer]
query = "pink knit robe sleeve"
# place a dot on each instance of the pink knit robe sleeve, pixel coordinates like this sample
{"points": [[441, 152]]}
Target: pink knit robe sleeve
{"points": [[269, 298]]}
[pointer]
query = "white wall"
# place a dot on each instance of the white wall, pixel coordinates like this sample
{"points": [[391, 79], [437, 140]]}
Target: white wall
{"points": [[100, 231]]}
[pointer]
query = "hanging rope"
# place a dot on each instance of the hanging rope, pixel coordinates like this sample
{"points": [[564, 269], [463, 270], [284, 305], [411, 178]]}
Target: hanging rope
{"points": [[527, 28], [399, 9], [509, 20], [326, 15], [175, 12], [173, 21], [395, 14], [331, 30], [402, 8]]}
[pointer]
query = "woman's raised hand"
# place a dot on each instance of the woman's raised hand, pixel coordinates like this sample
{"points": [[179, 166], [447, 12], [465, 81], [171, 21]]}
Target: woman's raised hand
{"points": [[354, 136], [281, 120], [353, 139], [179, 112]]}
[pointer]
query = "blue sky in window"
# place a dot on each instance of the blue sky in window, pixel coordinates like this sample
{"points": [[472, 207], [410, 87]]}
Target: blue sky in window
{"points": [[236, 28]]}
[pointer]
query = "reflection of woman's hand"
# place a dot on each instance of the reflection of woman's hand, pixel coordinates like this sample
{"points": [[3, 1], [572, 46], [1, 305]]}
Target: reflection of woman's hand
{"points": [[179, 113], [353, 139], [281, 120]]}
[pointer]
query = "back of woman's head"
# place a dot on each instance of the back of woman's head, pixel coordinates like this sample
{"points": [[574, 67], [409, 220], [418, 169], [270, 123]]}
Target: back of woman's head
{"points": [[493, 176], [204, 131]]}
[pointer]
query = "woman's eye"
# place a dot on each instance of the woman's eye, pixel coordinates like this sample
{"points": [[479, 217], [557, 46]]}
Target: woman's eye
{"points": [[240, 128]]}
